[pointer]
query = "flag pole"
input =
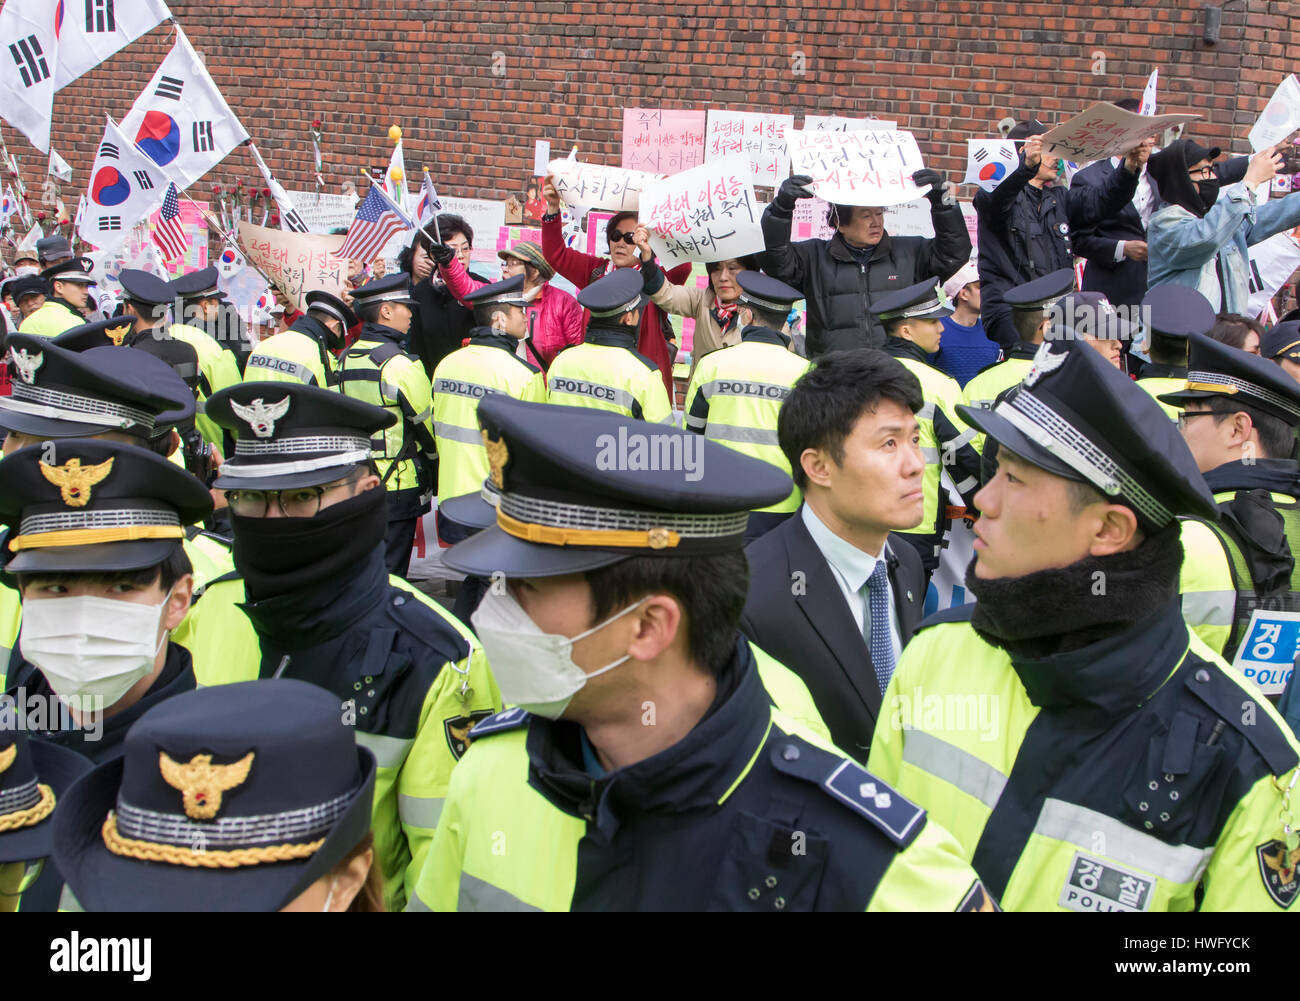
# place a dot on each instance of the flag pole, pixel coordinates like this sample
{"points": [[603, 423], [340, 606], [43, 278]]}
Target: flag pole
{"points": [[396, 208], [436, 228]]}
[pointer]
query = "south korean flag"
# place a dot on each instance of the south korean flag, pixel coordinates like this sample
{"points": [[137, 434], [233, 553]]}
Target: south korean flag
{"points": [[29, 36], [125, 188], [180, 120]]}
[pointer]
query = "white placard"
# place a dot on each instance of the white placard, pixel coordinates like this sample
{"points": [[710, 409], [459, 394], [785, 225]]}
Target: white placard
{"points": [[834, 123], [541, 156], [707, 213], [760, 135], [1272, 262], [858, 168], [1281, 116], [322, 212], [485, 218], [1105, 130], [595, 186]]}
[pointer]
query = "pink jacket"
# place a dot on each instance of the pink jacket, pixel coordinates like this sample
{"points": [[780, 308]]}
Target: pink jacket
{"points": [[555, 319]]}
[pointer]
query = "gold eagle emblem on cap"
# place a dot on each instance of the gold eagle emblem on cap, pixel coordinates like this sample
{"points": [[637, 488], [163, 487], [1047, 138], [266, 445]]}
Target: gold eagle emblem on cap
{"points": [[118, 334], [7, 757], [74, 481], [201, 782], [498, 455]]}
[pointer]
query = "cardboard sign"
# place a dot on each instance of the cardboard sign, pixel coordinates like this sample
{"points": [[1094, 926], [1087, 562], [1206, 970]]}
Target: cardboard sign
{"points": [[1104, 131], [757, 134], [1281, 116], [1268, 652], [834, 123], [706, 213], [322, 212], [296, 262], [858, 168], [595, 186], [662, 140]]}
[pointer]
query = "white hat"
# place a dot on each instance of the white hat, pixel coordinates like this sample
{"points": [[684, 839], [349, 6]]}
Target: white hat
{"points": [[968, 273]]}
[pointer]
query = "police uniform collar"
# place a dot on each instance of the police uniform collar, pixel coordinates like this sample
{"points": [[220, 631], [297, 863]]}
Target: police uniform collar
{"points": [[59, 301], [613, 337], [320, 612], [899, 347], [764, 335], [313, 328], [693, 774], [1023, 349], [487, 337], [1279, 475], [379, 332]]}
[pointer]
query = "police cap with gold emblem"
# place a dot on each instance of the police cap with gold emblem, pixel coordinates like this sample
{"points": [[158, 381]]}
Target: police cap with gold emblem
{"points": [[288, 435], [34, 775], [111, 332], [92, 506], [582, 489], [230, 798], [1217, 371], [59, 393], [1077, 416]]}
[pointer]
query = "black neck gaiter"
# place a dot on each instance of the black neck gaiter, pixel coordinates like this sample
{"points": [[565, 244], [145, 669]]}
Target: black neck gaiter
{"points": [[279, 555]]}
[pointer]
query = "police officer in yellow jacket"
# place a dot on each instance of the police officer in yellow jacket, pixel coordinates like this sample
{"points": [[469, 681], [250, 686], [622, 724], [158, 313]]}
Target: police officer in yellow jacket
{"points": [[489, 363], [312, 599], [641, 728], [1031, 312], [911, 320], [1086, 750], [605, 371], [65, 307], [303, 353], [1239, 414], [198, 298], [735, 395], [1171, 314], [377, 370]]}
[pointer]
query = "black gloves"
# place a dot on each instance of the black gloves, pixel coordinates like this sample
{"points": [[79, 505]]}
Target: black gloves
{"points": [[791, 190], [441, 253], [935, 180]]}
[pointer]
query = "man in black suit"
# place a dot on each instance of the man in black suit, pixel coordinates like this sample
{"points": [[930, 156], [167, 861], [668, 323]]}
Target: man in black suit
{"points": [[831, 595]]}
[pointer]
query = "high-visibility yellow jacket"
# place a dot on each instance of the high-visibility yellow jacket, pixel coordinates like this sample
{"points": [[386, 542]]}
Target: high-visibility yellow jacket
{"points": [[735, 397], [994, 380], [606, 372], [488, 364], [53, 318], [217, 370], [1158, 379], [1150, 768], [294, 355]]}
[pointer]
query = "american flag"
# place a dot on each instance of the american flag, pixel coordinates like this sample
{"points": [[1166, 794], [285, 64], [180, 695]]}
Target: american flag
{"points": [[375, 224], [168, 233]]}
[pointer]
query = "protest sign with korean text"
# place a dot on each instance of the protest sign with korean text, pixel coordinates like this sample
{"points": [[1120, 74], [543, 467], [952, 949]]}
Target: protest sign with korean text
{"points": [[759, 135], [663, 140], [707, 213], [834, 123], [1105, 130], [595, 186], [859, 167], [296, 262]]}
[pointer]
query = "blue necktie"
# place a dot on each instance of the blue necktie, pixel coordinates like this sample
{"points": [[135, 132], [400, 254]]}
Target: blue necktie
{"points": [[882, 650]]}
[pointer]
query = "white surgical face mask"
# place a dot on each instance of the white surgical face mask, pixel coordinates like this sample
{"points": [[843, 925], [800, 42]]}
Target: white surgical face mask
{"points": [[89, 647], [535, 670]]}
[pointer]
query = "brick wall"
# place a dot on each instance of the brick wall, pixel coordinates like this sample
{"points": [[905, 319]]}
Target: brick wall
{"points": [[473, 84]]}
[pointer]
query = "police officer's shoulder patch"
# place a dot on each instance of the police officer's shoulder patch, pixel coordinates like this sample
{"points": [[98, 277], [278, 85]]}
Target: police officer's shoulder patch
{"points": [[897, 817], [510, 719], [977, 899], [1278, 868], [1205, 680], [458, 728]]}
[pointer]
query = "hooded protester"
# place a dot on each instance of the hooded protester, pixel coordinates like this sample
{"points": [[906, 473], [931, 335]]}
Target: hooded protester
{"points": [[1200, 233]]}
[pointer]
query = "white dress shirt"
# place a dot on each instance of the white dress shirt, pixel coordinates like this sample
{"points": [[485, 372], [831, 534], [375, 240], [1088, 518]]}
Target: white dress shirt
{"points": [[1142, 201], [852, 568]]}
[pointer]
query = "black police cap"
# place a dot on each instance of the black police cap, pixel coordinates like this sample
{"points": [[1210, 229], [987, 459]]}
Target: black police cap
{"points": [[1077, 416], [77, 269], [582, 489], [111, 332], [332, 304], [140, 833], [200, 284], [141, 286], [1041, 293], [1219, 371], [36, 776], [1177, 312], [1282, 341], [613, 295], [509, 291], [59, 393], [1085, 314], [391, 288], [289, 435], [766, 292], [25, 285], [94, 506], [922, 301]]}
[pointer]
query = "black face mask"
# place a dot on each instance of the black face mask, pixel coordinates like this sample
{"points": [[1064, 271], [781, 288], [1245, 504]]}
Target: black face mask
{"points": [[1208, 192], [280, 555]]}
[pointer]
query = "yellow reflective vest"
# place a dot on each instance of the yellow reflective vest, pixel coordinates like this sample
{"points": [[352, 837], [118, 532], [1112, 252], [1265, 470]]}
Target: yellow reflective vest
{"points": [[294, 355], [488, 364], [53, 318], [409, 676], [376, 369], [735, 397], [991, 382], [217, 370], [1159, 379], [1151, 771], [606, 372]]}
